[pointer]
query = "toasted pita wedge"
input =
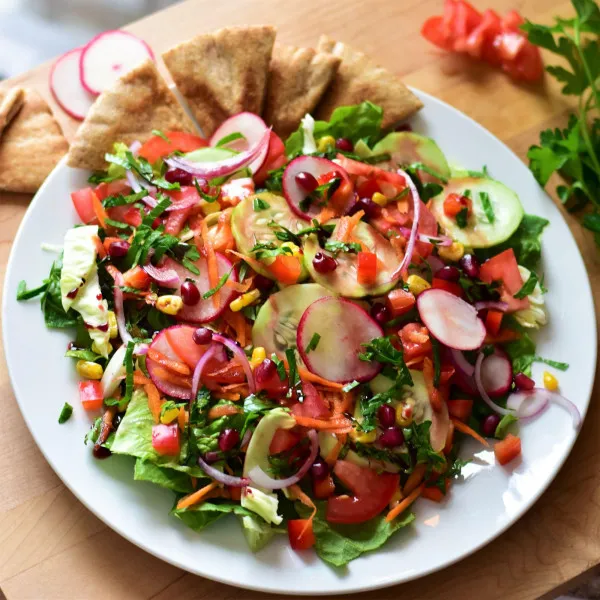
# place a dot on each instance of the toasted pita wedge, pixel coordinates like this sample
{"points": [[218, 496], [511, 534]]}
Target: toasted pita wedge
{"points": [[298, 78], [358, 79], [223, 73], [30, 146], [139, 102], [10, 104]]}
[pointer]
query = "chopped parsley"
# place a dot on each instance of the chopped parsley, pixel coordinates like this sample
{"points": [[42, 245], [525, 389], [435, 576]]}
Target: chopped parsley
{"points": [[160, 134], [128, 362], [280, 366], [269, 250], [314, 342], [232, 137], [336, 247], [217, 287], [24, 294], [294, 376], [528, 287], [260, 204], [462, 217], [65, 413], [116, 224], [488, 209]]}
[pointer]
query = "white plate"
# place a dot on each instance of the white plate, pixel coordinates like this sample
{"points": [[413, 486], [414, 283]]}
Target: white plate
{"points": [[491, 498]]}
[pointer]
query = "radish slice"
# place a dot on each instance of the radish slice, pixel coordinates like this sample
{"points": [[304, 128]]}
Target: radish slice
{"points": [[205, 310], [108, 56], [296, 194], [496, 374], [343, 327], [482, 391], [451, 320], [66, 87], [252, 127]]}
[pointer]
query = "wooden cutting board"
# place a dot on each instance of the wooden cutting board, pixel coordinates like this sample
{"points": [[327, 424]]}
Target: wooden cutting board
{"points": [[53, 547]]}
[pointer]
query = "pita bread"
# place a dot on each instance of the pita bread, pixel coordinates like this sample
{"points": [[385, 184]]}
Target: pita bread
{"points": [[359, 79], [223, 73], [139, 102], [30, 146], [10, 103], [298, 79]]}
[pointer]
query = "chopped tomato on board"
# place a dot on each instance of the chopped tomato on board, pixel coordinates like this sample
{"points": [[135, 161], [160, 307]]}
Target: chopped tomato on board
{"points": [[157, 147], [91, 395], [300, 533], [126, 214]]}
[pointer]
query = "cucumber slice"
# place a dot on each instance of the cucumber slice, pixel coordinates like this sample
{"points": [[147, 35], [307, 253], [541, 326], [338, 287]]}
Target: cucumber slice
{"points": [[343, 280], [250, 227], [406, 147], [209, 154], [277, 320], [479, 232]]}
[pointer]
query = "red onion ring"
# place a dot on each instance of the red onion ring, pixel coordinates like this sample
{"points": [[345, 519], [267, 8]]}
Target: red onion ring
{"points": [[163, 276], [483, 393], [462, 363], [246, 439], [135, 148], [490, 304], [221, 477], [261, 479], [438, 240], [200, 366], [119, 308], [222, 167], [241, 355], [539, 399]]}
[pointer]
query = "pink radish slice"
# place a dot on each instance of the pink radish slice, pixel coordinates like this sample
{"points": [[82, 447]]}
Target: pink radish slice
{"points": [[66, 87], [161, 344], [296, 194], [180, 339], [496, 374], [204, 311], [108, 56], [451, 320], [252, 127], [343, 327]]}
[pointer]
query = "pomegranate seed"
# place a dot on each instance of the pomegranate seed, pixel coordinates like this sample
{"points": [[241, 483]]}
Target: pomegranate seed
{"points": [[522, 382], [307, 181], [488, 427], [263, 283], [118, 249], [190, 293], [380, 313], [386, 415], [179, 176], [470, 265], [319, 470], [264, 371], [202, 336], [228, 439], [448, 273], [371, 209], [344, 144], [391, 437], [324, 264]]}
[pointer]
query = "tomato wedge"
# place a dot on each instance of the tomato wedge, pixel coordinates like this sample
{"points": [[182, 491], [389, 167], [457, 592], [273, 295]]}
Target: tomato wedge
{"points": [[504, 268], [372, 493], [83, 203], [313, 405], [157, 147], [415, 341], [300, 533], [283, 440], [275, 158]]}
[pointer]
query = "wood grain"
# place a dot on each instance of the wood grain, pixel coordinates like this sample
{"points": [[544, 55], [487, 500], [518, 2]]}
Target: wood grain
{"points": [[51, 546]]}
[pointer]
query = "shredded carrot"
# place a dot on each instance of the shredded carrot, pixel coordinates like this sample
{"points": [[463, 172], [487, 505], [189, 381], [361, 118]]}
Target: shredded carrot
{"points": [[168, 363], [255, 264], [504, 335], [140, 379], [404, 504], [343, 403], [99, 211], [363, 248], [335, 451], [182, 418], [242, 288], [196, 497], [211, 260], [308, 376], [307, 501], [237, 322], [223, 410], [414, 479], [325, 215], [466, 429], [154, 401], [334, 425], [100, 249], [233, 396], [171, 377]]}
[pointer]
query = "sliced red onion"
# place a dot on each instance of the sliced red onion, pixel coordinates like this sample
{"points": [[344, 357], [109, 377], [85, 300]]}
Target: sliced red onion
{"points": [[531, 403], [135, 148], [438, 240], [141, 349], [491, 305], [568, 405], [221, 477], [119, 308], [246, 439], [261, 479], [412, 238], [163, 276], [483, 393], [241, 355], [462, 363], [133, 182], [223, 167], [435, 263], [198, 370]]}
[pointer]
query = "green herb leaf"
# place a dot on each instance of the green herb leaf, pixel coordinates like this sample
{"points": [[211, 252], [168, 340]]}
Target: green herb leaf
{"points": [[528, 287], [488, 209], [117, 224], [128, 362], [505, 424], [336, 247], [24, 294], [280, 366], [65, 413], [217, 287], [160, 134], [314, 342], [232, 137], [82, 354], [462, 217], [260, 204]]}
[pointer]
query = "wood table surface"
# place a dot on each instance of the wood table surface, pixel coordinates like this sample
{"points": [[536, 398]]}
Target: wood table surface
{"points": [[53, 547]]}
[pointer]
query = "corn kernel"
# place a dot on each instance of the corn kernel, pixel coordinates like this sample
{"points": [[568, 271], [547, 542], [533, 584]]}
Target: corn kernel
{"points": [[363, 437], [550, 382], [295, 250], [327, 142], [417, 284], [380, 199], [404, 412], [245, 300], [113, 328], [208, 208], [97, 350], [452, 253], [89, 370], [170, 305], [169, 415], [258, 355]]}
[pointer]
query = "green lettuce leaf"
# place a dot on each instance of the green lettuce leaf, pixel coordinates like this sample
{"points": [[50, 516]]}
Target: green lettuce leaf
{"points": [[199, 516], [163, 476], [256, 532], [339, 544], [357, 122]]}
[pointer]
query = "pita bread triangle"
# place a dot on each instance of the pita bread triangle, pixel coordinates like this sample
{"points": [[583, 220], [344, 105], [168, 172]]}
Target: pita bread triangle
{"points": [[139, 102], [223, 73], [298, 78], [358, 79], [31, 145]]}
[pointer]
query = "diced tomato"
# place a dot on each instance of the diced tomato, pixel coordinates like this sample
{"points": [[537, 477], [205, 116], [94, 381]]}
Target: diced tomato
{"points": [[235, 493], [275, 158], [527, 64], [508, 45], [126, 214], [313, 405], [157, 147], [91, 395], [283, 440], [399, 302], [83, 203], [461, 409], [493, 321], [446, 373], [512, 21], [504, 268], [507, 449], [366, 273], [324, 489], [176, 220], [466, 19], [455, 203], [390, 183], [433, 31], [274, 386], [415, 341], [286, 269], [113, 188], [480, 43], [300, 532], [136, 278], [165, 439], [372, 493], [450, 286], [233, 192], [433, 493], [367, 188]]}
